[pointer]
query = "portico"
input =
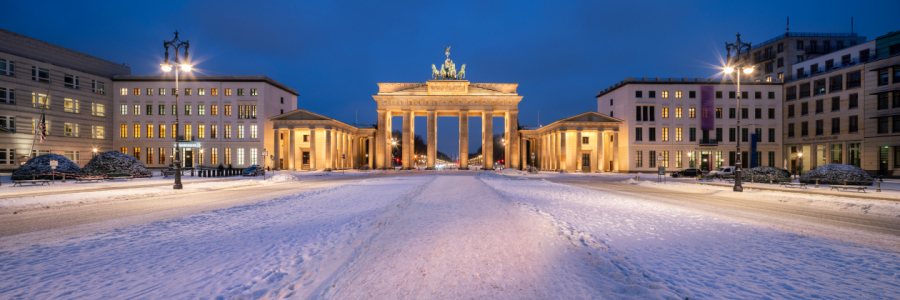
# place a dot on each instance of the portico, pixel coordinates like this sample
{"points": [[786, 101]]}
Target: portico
{"points": [[308, 141], [587, 142]]}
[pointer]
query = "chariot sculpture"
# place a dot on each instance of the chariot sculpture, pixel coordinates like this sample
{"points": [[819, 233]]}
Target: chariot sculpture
{"points": [[448, 69]]}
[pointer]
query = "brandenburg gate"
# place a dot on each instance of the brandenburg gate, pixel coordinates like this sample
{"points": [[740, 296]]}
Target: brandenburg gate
{"points": [[448, 94]]}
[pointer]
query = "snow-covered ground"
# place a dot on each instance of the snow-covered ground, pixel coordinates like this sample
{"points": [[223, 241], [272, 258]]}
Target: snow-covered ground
{"points": [[456, 235]]}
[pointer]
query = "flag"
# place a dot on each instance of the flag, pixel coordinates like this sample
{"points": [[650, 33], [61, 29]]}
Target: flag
{"points": [[43, 128]]}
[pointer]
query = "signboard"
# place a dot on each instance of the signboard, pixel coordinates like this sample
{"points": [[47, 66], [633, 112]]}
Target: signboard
{"points": [[659, 157], [662, 171], [343, 156], [53, 164], [188, 145], [707, 108], [753, 162]]}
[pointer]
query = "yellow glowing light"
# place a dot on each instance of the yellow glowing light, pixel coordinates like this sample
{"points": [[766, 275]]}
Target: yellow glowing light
{"points": [[748, 70], [728, 70], [186, 67], [166, 67]]}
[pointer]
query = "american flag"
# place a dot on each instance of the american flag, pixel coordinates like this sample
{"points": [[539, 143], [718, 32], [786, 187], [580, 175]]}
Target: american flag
{"points": [[43, 128]]}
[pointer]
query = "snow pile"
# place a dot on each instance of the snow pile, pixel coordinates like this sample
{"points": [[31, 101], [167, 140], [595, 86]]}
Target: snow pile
{"points": [[41, 165], [764, 174], [838, 174], [282, 177], [115, 162]]}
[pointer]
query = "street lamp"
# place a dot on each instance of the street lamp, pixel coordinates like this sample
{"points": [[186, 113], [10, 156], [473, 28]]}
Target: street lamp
{"points": [[176, 44], [95, 153], [800, 170], [265, 154], [737, 47]]}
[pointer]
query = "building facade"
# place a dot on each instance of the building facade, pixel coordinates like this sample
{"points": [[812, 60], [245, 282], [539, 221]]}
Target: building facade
{"points": [[309, 141], [661, 118], [222, 119], [881, 125], [774, 58], [71, 89], [586, 142]]}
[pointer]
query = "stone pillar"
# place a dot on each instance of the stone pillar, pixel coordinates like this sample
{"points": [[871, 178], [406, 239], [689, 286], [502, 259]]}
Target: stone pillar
{"points": [[514, 139], [464, 140], [312, 149], [328, 150], [615, 151], [523, 152], [406, 157], [431, 154], [579, 161], [603, 162], [553, 159], [507, 148], [487, 141], [371, 153], [565, 162], [813, 156], [291, 155], [277, 149], [382, 149]]}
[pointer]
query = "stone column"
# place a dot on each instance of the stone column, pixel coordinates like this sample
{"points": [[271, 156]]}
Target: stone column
{"points": [[602, 161], [312, 149], [553, 159], [381, 152], [408, 127], [514, 139], [328, 150], [371, 153], [291, 155], [615, 151], [277, 149], [464, 140], [487, 121], [523, 152], [566, 163], [432, 140], [579, 161], [507, 148]]}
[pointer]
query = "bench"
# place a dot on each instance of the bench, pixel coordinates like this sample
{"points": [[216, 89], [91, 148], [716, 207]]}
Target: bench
{"points": [[115, 176], [89, 178], [845, 187], [793, 184], [168, 173], [31, 181]]}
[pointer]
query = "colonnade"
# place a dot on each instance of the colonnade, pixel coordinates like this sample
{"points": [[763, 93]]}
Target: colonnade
{"points": [[325, 147]]}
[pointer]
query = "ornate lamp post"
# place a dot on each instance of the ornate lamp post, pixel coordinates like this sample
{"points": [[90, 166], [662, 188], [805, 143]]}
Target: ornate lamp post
{"points": [[176, 44], [737, 47]]}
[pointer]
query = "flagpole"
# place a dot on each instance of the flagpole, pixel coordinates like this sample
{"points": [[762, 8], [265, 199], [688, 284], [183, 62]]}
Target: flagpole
{"points": [[38, 126]]}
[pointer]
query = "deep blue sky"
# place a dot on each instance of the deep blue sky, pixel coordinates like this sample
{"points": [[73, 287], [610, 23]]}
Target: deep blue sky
{"points": [[333, 52]]}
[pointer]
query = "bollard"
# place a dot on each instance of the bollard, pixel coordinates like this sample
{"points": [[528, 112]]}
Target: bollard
{"points": [[817, 183], [879, 187]]}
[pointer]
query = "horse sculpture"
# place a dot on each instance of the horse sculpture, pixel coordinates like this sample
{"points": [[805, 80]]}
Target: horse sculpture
{"points": [[462, 72], [435, 74]]}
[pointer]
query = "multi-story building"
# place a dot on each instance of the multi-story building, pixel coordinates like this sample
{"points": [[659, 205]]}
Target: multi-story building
{"points": [[881, 144], [68, 87], [222, 119], [662, 118], [822, 109], [773, 59]]}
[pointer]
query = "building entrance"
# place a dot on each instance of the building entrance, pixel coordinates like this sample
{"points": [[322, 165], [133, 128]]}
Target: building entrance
{"points": [[704, 161], [188, 158]]}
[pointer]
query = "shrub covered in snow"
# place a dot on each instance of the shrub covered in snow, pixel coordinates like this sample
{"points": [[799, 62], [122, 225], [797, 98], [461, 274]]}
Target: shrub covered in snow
{"points": [[41, 165], [764, 174], [837, 174], [282, 177], [115, 162]]}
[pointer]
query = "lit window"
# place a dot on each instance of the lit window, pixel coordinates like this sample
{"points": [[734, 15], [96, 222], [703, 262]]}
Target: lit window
{"points": [[187, 92], [665, 112], [214, 92], [137, 130], [227, 131], [137, 91], [150, 131], [253, 131], [188, 133], [201, 131], [678, 112], [240, 156], [71, 129], [149, 91], [70, 105], [240, 92], [252, 92], [253, 156], [665, 94], [40, 101], [201, 92], [677, 94], [98, 87], [692, 112], [240, 131], [123, 109], [227, 92], [213, 110], [677, 134], [201, 109], [123, 91], [665, 134], [162, 91], [137, 109], [97, 131]]}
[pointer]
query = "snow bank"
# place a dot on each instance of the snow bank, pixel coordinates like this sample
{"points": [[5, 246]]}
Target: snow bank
{"points": [[282, 177], [41, 165]]}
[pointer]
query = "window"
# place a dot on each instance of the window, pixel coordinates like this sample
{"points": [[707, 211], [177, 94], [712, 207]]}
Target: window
{"points": [[835, 83], [638, 94], [732, 134], [150, 131], [213, 109], [174, 109], [188, 132], [162, 91], [677, 94], [791, 130], [8, 68], [854, 101], [174, 91], [652, 159], [804, 129], [201, 109], [835, 125], [240, 92], [758, 134], [282, 101], [854, 80], [835, 103], [201, 92], [40, 101], [584, 140], [149, 109], [732, 95], [252, 92], [820, 106], [227, 131], [692, 134], [896, 126], [790, 93], [187, 91], [820, 127], [137, 91], [757, 95], [790, 111], [8, 122], [149, 91], [781, 76], [162, 155], [253, 130], [896, 74], [745, 113], [7, 95], [732, 113], [678, 112], [678, 159], [123, 150], [804, 90], [71, 81], [137, 130], [829, 64], [137, 109], [896, 101], [174, 131], [70, 105], [819, 87], [664, 94], [227, 109], [780, 62], [162, 131], [804, 108], [771, 113], [771, 135], [718, 113], [799, 59], [664, 113], [187, 109], [214, 156], [719, 135], [692, 112], [718, 94], [201, 131], [97, 131], [678, 137], [240, 131], [214, 92], [745, 134], [883, 77], [883, 125], [213, 129], [40, 74], [227, 156], [757, 113], [854, 124], [745, 95], [149, 155], [883, 101], [638, 159], [799, 45], [692, 94], [253, 154], [137, 153], [227, 92], [123, 91], [665, 134], [162, 109]]}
